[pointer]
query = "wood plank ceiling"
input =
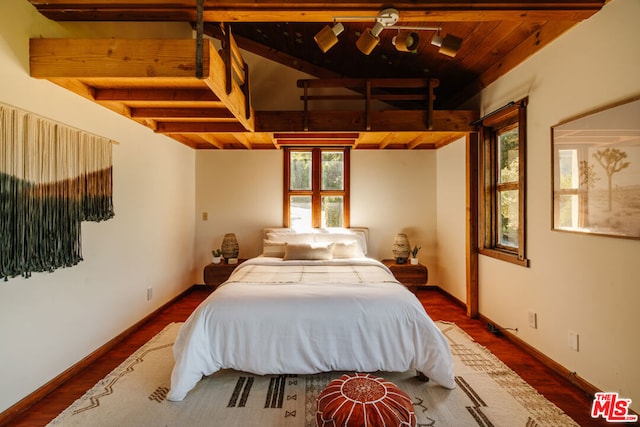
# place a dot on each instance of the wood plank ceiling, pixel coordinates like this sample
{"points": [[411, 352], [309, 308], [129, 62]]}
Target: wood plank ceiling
{"points": [[497, 36]]}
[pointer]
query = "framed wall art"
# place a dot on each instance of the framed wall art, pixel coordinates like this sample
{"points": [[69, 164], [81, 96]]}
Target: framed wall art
{"points": [[596, 172]]}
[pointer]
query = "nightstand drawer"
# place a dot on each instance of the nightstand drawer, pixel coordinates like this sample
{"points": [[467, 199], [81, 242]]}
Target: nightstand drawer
{"points": [[216, 274], [408, 274]]}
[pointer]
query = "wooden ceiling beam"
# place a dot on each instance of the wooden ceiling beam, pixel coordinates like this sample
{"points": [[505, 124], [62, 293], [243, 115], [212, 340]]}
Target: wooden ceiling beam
{"points": [[155, 94], [113, 58], [181, 113], [199, 127], [184, 140], [318, 143], [350, 121], [384, 143], [314, 11], [317, 136], [275, 55]]}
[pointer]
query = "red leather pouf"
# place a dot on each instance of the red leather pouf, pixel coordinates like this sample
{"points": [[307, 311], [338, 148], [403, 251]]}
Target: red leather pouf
{"points": [[364, 400]]}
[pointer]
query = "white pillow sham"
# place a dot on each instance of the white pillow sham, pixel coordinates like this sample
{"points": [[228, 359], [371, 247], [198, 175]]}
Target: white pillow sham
{"points": [[347, 250], [308, 251]]}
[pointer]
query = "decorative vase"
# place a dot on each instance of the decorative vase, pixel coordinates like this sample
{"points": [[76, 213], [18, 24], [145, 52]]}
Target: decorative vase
{"points": [[414, 260], [217, 259], [401, 248], [230, 247]]}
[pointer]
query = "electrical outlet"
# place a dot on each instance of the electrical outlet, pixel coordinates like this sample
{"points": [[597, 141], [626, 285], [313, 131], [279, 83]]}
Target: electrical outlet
{"points": [[149, 294], [533, 319], [205, 216], [572, 340]]}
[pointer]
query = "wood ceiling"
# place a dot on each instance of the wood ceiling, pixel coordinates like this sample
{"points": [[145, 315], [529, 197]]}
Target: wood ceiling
{"points": [[197, 111]]}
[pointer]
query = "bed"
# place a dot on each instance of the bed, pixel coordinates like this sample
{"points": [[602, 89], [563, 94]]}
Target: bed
{"points": [[312, 302]]}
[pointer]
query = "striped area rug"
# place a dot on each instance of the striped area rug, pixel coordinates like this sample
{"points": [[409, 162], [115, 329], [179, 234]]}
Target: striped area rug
{"points": [[488, 393]]}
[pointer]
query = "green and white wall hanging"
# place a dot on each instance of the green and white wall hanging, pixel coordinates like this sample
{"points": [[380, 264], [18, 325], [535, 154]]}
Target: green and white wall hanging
{"points": [[52, 177]]}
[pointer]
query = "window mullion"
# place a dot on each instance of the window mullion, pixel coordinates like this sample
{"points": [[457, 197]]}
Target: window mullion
{"points": [[316, 180], [522, 175], [286, 200]]}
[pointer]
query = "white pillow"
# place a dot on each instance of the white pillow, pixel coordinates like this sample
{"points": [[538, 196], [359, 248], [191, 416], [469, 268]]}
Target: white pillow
{"points": [[347, 250], [273, 249], [290, 237], [346, 237], [307, 251]]}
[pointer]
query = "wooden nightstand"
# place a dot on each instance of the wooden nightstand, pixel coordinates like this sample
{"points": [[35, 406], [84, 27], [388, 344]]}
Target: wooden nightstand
{"points": [[408, 274], [215, 274]]}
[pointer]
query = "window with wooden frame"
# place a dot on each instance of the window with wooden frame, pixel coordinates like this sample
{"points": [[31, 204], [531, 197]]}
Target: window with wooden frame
{"points": [[316, 187], [502, 182]]}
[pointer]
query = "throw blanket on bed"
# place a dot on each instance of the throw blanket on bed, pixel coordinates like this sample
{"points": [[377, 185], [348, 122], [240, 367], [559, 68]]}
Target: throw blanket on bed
{"points": [[276, 271], [290, 317]]}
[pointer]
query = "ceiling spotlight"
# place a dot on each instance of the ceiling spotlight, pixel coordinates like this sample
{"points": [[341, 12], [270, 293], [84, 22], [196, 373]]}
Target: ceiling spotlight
{"points": [[370, 38], [328, 36], [449, 45], [406, 41]]}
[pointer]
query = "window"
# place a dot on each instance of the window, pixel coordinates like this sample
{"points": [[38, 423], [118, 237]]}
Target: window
{"points": [[502, 183], [316, 192]]}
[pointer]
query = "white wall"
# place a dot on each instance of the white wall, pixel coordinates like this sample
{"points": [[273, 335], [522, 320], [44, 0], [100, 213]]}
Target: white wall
{"points": [[241, 191], [391, 192], [52, 320], [394, 191], [587, 284], [451, 214]]}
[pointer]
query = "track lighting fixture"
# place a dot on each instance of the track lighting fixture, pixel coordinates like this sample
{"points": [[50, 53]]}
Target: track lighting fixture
{"points": [[328, 36], [407, 39], [449, 45], [369, 39]]}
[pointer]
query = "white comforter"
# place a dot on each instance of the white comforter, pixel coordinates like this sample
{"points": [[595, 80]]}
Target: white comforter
{"points": [[303, 317]]}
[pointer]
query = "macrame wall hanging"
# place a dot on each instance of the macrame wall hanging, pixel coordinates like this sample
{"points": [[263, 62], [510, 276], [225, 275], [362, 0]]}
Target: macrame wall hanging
{"points": [[52, 177]]}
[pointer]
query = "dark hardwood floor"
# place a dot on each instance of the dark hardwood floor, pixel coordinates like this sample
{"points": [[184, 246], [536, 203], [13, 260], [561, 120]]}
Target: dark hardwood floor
{"points": [[566, 396]]}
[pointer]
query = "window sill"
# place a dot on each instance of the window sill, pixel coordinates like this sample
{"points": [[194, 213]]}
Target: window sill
{"points": [[504, 256]]}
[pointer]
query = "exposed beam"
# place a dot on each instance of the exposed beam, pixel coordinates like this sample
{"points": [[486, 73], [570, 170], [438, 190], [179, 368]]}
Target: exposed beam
{"points": [[181, 113], [184, 140], [242, 139], [449, 139], [317, 136], [388, 139], [350, 121], [313, 11], [155, 94], [113, 58], [199, 127], [275, 55]]}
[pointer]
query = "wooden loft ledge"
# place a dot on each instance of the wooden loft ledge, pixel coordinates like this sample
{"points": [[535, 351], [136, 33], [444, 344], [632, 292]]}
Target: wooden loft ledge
{"points": [[418, 92], [152, 81], [406, 120]]}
